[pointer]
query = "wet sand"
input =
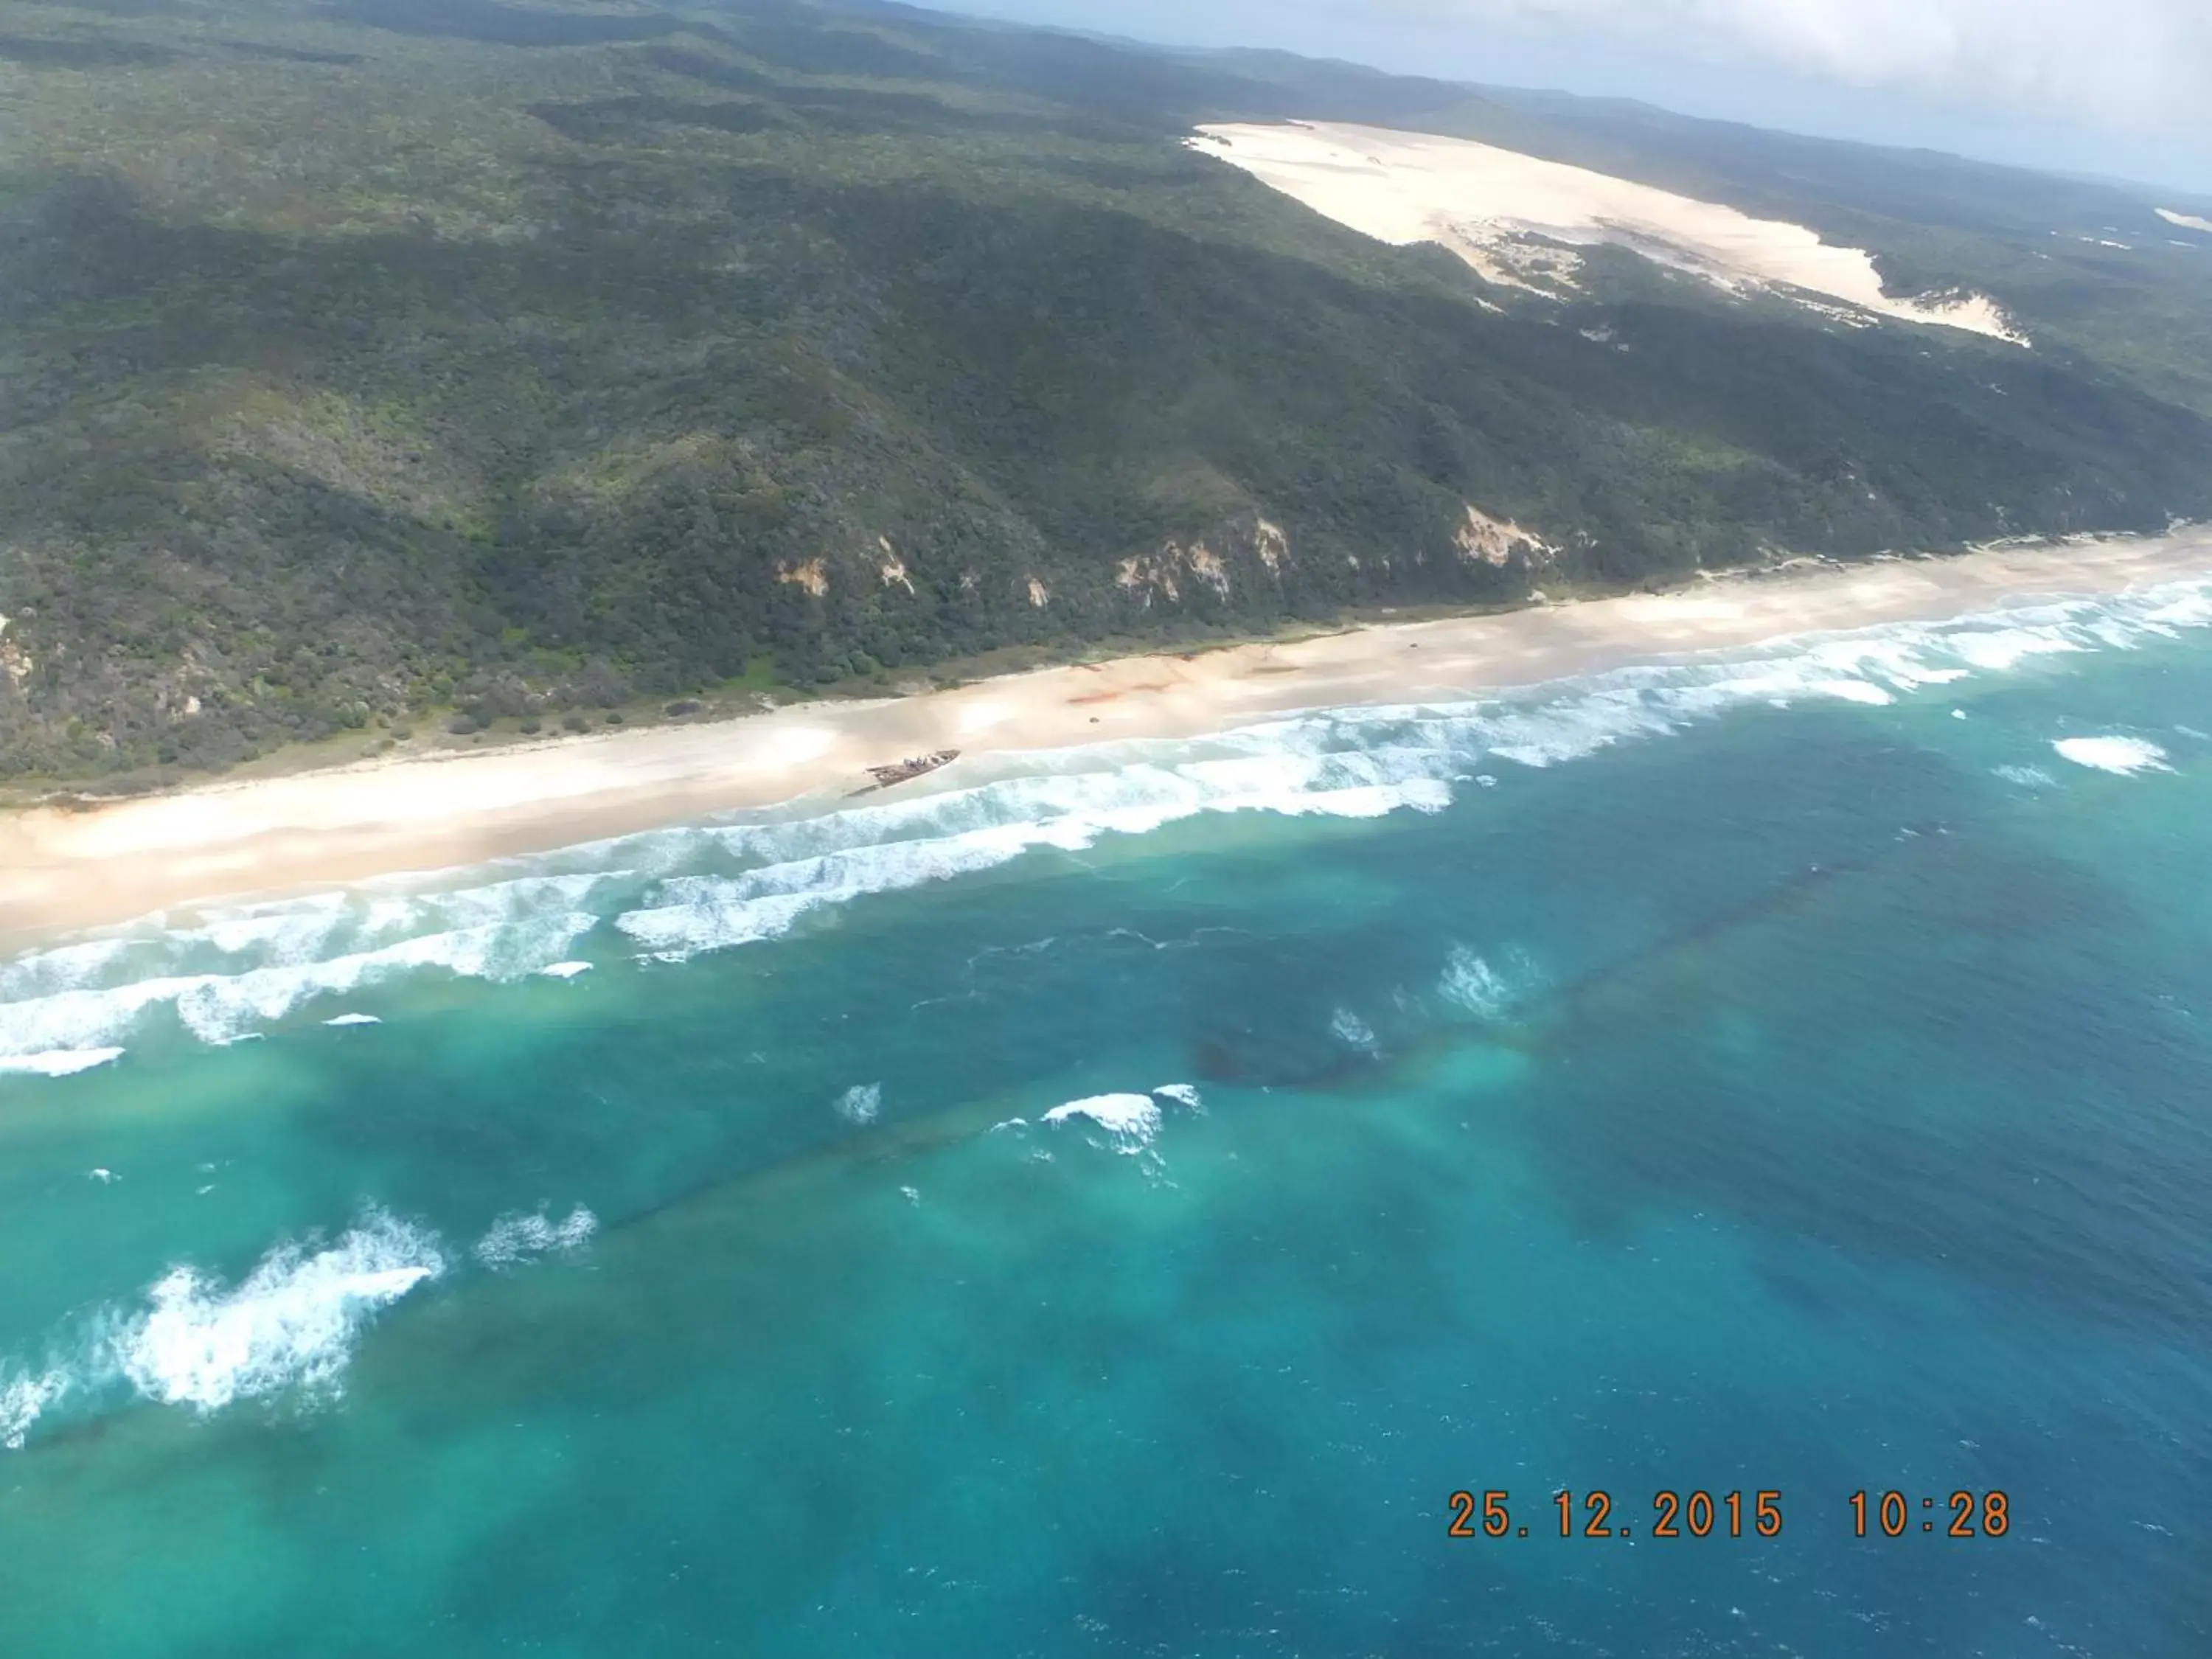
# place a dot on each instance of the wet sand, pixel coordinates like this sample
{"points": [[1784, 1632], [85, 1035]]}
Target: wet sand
{"points": [[63, 869]]}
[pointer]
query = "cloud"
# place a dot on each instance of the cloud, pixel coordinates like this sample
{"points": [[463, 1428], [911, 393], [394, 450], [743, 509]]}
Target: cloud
{"points": [[2122, 63], [2118, 87]]}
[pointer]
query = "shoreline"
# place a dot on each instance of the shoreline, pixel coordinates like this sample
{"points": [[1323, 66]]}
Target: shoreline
{"points": [[63, 869]]}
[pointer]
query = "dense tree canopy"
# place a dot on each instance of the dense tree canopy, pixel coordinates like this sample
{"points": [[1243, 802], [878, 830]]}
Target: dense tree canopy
{"points": [[466, 361]]}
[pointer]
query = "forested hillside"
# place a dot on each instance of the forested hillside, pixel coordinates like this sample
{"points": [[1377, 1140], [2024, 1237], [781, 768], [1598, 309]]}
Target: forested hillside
{"points": [[447, 363]]}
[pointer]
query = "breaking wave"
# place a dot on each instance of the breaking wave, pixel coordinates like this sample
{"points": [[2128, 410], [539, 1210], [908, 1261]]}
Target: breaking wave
{"points": [[2122, 755], [1470, 981], [1130, 1122], [1352, 1031], [526, 1235], [234, 974], [59, 1062], [24, 1397], [291, 1323], [860, 1102], [796, 867], [669, 895], [289, 1328]]}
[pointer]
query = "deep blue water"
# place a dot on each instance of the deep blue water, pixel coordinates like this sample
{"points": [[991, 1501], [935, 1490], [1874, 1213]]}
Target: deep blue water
{"points": [[1712, 1079]]}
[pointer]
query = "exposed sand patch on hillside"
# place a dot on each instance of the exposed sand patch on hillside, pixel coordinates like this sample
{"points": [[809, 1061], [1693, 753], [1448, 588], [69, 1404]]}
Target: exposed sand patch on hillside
{"points": [[1496, 541], [1505, 215]]}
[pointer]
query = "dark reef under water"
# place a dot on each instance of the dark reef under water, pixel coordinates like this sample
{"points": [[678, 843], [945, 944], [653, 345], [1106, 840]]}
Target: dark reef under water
{"points": [[1128, 1247]]}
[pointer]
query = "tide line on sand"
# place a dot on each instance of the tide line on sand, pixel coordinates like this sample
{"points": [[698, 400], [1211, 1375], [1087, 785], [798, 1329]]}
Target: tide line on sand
{"points": [[62, 870]]}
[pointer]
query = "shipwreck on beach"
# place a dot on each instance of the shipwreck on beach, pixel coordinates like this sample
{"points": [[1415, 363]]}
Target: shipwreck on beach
{"points": [[904, 771]]}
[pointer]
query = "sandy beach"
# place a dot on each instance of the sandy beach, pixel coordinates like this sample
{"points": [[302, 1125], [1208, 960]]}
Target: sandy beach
{"points": [[62, 870]]}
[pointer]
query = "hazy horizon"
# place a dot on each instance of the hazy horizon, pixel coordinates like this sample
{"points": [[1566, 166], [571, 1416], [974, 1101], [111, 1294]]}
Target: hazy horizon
{"points": [[2128, 100]]}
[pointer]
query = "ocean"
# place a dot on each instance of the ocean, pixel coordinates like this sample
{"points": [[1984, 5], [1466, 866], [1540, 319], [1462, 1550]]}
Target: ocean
{"points": [[1109, 1202]]}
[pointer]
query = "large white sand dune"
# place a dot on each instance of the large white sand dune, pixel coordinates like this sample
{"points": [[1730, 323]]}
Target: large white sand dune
{"points": [[1504, 214]]}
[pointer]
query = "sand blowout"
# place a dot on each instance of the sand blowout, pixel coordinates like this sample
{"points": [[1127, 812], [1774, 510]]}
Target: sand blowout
{"points": [[1509, 215]]}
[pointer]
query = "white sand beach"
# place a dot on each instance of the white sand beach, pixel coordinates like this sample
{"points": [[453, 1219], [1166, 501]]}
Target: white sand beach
{"points": [[1484, 203], [63, 869]]}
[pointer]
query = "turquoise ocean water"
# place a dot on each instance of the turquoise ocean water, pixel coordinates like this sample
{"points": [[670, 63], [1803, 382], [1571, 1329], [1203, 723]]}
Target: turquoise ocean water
{"points": [[1106, 1203]]}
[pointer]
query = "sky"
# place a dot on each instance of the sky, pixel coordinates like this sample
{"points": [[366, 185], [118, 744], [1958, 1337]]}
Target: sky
{"points": [[2116, 87]]}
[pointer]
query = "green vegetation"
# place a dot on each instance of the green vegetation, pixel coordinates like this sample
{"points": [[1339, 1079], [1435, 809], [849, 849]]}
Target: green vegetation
{"points": [[476, 363]]}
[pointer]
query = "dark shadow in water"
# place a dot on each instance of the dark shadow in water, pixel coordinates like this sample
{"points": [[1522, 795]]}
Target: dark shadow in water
{"points": [[1601, 1039], [1291, 1055], [1949, 1066], [1959, 1105]]}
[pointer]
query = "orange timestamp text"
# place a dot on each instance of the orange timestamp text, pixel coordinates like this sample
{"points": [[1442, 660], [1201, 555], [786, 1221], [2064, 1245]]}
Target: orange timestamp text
{"points": [[1700, 1514]]}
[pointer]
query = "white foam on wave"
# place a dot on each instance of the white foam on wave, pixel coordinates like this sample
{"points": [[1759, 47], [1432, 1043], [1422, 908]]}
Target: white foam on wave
{"points": [[291, 1323], [1469, 981], [832, 860], [2124, 755], [2001, 648], [1357, 763], [1183, 1094], [2028, 777], [354, 1019], [860, 1102], [295, 931], [525, 1236], [2185, 608], [1862, 691], [289, 1327], [676, 892], [25, 1396], [225, 979], [1131, 1121], [59, 1062], [62, 968], [1350, 1029]]}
